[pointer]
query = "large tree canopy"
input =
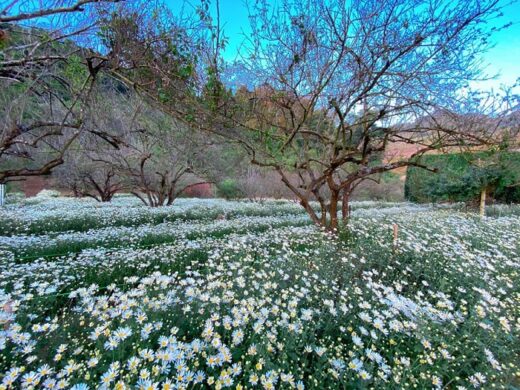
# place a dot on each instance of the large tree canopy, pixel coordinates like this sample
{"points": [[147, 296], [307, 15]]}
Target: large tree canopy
{"points": [[334, 83]]}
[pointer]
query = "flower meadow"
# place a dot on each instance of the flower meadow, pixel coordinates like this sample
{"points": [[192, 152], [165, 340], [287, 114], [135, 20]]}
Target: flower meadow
{"points": [[219, 294]]}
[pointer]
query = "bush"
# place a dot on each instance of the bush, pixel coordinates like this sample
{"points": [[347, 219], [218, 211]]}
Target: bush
{"points": [[229, 189], [48, 194], [14, 197], [460, 178]]}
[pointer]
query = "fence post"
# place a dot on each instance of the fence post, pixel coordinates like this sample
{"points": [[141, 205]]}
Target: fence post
{"points": [[396, 235], [2, 194]]}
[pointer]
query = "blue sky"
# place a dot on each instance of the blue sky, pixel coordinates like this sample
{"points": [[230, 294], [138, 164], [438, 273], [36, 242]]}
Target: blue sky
{"points": [[502, 59]]}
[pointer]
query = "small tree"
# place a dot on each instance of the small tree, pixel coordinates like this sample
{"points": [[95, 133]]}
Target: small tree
{"points": [[486, 175], [87, 178], [158, 159], [229, 189]]}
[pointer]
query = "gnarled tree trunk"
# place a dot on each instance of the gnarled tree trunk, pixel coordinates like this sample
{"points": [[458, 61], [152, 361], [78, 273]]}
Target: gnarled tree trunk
{"points": [[345, 206], [333, 211]]}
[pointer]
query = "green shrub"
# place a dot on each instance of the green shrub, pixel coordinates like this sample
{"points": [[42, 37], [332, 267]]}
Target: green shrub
{"points": [[48, 194], [229, 189], [460, 177]]}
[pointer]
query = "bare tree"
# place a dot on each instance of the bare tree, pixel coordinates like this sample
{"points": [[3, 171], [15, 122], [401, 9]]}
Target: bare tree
{"points": [[157, 159], [159, 166], [335, 83], [46, 75], [84, 175], [87, 178]]}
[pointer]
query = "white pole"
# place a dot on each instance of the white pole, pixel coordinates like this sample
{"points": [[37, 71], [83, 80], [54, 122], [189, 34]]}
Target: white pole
{"points": [[2, 194]]}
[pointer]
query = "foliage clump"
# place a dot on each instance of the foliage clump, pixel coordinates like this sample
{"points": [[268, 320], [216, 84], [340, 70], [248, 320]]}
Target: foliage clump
{"points": [[229, 189], [461, 177]]}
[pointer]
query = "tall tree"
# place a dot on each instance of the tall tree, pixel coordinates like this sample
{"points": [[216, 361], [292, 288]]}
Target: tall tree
{"points": [[46, 74], [335, 83]]}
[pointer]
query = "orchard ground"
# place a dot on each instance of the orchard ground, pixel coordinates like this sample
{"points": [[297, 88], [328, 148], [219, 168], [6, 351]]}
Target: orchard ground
{"points": [[252, 295]]}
